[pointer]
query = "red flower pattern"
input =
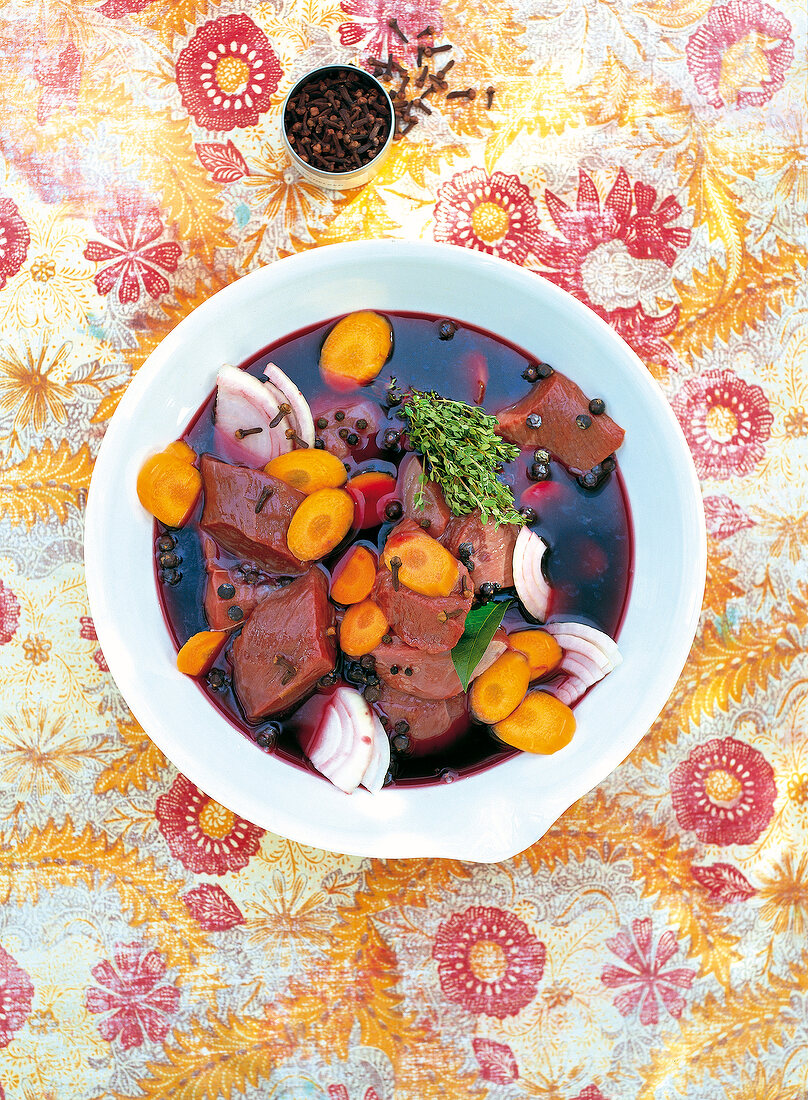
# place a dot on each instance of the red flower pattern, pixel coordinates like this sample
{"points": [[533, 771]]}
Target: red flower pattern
{"points": [[224, 162], [59, 73], [628, 215], [213, 908], [740, 54], [227, 73], [9, 614], [724, 792], [130, 990], [727, 423], [340, 1092], [87, 628], [488, 961], [130, 231], [494, 214], [14, 240], [16, 997], [647, 982], [591, 1092], [497, 1061], [205, 836], [370, 32]]}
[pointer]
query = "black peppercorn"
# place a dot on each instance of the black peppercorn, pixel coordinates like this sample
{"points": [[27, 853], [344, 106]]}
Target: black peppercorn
{"points": [[387, 639], [329, 679], [544, 370], [226, 591], [400, 742], [166, 542], [393, 511], [343, 433], [393, 670], [488, 590], [582, 420], [216, 679], [389, 777], [352, 439], [531, 373], [172, 577], [321, 422], [169, 561], [318, 443], [266, 739], [425, 523], [529, 515], [368, 662], [538, 471], [446, 330], [447, 775], [533, 420], [608, 464], [361, 424], [541, 455], [390, 439], [235, 613], [408, 672], [465, 550], [589, 480], [339, 415], [402, 726], [597, 406], [372, 693]]}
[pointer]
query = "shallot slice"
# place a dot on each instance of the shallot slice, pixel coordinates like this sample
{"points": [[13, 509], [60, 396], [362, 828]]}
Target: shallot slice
{"points": [[303, 421], [531, 587], [341, 747], [245, 410], [602, 641], [373, 779]]}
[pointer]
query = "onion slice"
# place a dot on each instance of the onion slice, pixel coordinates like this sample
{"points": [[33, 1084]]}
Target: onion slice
{"points": [[531, 587], [242, 403], [588, 656], [373, 779], [304, 422], [341, 747]]}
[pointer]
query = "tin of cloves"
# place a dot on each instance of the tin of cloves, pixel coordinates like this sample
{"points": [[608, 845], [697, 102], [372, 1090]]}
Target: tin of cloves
{"points": [[354, 123]]}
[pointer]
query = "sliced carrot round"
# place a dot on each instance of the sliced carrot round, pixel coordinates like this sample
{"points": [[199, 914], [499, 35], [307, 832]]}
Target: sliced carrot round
{"points": [[499, 690], [356, 348], [421, 564], [180, 449], [200, 651], [320, 523], [363, 627], [169, 487], [353, 576], [308, 470], [541, 723], [541, 649]]}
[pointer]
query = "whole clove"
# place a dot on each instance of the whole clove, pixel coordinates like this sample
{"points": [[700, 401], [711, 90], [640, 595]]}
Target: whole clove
{"points": [[283, 410], [395, 566], [242, 433], [263, 497], [394, 27], [466, 93], [489, 98], [425, 32], [292, 434], [289, 670]]}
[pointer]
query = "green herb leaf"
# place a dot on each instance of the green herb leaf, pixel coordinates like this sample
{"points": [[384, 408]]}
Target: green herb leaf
{"points": [[481, 625], [463, 454]]}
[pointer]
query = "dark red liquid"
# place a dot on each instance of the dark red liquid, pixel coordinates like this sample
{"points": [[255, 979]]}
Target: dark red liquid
{"points": [[588, 531]]}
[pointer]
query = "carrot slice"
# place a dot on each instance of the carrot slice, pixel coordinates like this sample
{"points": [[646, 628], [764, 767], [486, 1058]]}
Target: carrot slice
{"points": [[353, 576], [499, 690], [320, 523], [541, 723], [169, 486], [356, 349], [180, 449], [541, 649], [421, 564], [308, 471], [363, 627], [200, 651]]}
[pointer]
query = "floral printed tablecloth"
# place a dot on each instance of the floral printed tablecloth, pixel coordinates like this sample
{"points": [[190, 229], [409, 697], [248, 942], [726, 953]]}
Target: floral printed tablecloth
{"points": [[648, 156]]}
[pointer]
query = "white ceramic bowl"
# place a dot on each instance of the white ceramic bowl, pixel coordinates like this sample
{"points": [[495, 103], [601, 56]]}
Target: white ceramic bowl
{"points": [[484, 817]]}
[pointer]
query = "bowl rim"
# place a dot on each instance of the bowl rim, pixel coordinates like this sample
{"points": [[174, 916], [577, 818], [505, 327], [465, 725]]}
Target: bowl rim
{"points": [[405, 821]]}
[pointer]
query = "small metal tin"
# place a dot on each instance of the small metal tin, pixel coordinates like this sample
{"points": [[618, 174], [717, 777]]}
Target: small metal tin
{"points": [[338, 181]]}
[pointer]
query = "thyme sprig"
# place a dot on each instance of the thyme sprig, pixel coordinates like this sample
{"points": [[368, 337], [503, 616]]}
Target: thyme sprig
{"points": [[463, 454]]}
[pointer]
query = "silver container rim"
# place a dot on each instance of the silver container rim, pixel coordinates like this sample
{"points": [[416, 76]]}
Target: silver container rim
{"points": [[310, 169]]}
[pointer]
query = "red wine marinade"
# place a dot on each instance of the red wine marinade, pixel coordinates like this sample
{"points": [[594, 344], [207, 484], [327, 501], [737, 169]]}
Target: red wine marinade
{"points": [[589, 563]]}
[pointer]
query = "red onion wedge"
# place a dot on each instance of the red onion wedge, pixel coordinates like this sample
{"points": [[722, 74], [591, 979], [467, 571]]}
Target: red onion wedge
{"points": [[531, 587], [341, 746], [303, 421], [243, 404]]}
